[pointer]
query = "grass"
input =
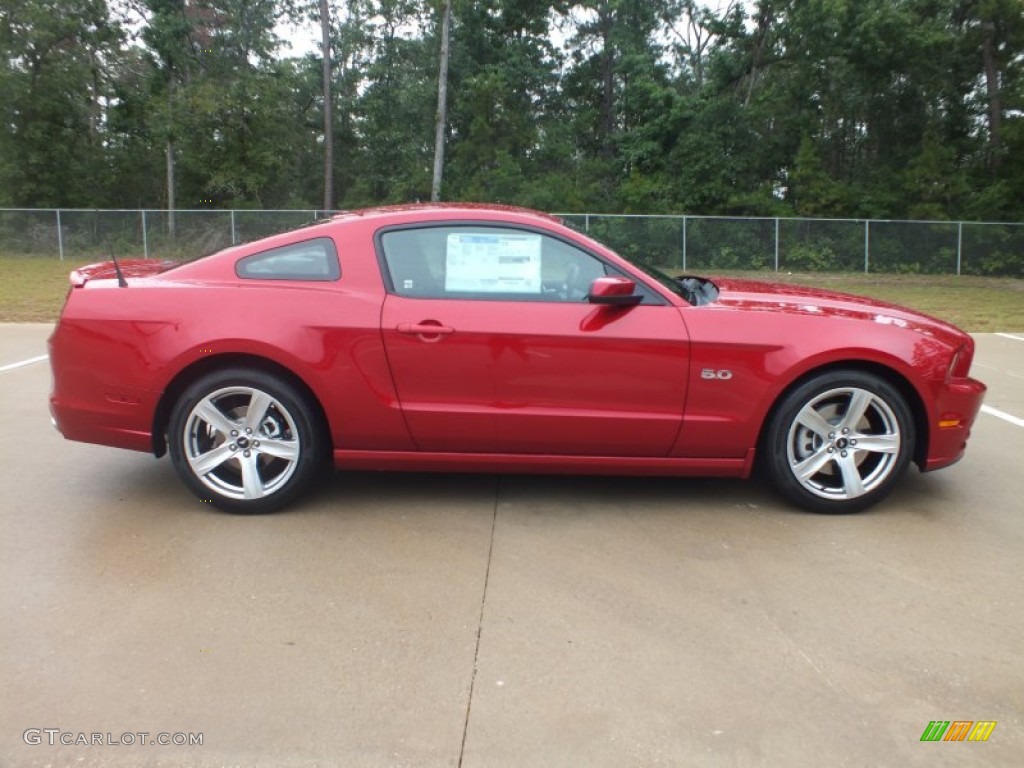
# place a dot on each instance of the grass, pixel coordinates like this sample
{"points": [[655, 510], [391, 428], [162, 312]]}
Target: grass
{"points": [[33, 290]]}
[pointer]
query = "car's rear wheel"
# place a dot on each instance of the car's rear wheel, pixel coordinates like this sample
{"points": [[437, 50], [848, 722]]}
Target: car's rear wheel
{"points": [[245, 440], [839, 442]]}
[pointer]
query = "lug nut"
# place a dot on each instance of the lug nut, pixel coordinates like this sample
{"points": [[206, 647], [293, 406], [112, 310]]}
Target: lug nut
{"points": [[234, 433], [247, 454], [234, 447], [255, 443], [853, 442], [831, 449], [845, 430], [843, 454]]}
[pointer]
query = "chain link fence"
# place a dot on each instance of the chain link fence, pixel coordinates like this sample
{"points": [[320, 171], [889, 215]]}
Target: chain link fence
{"points": [[76, 234], [689, 243], [710, 243]]}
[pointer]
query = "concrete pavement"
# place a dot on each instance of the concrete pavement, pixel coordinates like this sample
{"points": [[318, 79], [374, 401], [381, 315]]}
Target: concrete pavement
{"points": [[432, 620]]}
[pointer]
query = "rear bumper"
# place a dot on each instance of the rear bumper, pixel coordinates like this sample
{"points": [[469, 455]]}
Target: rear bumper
{"points": [[89, 404], [956, 408], [111, 427]]}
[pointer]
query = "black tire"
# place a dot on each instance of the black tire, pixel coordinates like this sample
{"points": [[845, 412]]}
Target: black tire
{"points": [[817, 465], [241, 464]]}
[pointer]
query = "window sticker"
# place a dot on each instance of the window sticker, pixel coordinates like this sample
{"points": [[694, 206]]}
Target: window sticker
{"points": [[493, 263]]}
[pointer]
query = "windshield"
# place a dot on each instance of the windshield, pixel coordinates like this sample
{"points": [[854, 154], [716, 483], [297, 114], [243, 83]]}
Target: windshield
{"points": [[696, 290], [672, 283]]}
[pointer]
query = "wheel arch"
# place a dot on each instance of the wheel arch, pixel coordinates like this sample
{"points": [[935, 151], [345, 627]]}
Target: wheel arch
{"points": [[891, 375], [205, 365]]}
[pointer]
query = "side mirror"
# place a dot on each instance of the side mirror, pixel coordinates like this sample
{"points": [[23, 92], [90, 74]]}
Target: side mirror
{"points": [[614, 291]]}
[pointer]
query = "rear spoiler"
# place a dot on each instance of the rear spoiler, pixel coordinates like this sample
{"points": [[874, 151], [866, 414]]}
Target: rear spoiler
{"points": [[107, 270]]}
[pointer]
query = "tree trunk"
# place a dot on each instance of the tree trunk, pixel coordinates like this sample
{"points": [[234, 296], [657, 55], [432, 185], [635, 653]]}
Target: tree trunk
{"points": [[606, 22], [995, 107], [169, 149], [170, 188], [325, 29], [765, 16], [442, 105]]}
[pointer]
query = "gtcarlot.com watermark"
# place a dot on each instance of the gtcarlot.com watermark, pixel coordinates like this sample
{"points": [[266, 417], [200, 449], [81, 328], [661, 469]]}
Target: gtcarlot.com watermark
{"points": [[57, 736]]}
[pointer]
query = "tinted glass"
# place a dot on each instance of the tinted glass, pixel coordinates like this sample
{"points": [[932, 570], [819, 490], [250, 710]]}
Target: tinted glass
{"points": [[309, 260]]}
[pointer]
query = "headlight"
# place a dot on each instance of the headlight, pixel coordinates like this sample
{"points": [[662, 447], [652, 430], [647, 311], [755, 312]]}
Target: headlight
{"points": [[960, 363]]}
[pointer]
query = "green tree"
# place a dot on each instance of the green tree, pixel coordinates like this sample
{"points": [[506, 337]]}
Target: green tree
{"points": [[503, 102], [883, 108], [54, 88], [391, 84]]}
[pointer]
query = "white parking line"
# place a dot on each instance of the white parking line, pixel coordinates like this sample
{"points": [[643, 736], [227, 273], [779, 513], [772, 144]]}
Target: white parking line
{"points": [[1010, 336], [23, 363], [997, 370], [1002, 415]]}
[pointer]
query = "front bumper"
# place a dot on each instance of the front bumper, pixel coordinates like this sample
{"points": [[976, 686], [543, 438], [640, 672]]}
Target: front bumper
{"points": [[956, 408]]}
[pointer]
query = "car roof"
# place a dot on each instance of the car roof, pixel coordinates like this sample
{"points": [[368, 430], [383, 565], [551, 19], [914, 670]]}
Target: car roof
{"points": [[472, 210], [409, 213]]}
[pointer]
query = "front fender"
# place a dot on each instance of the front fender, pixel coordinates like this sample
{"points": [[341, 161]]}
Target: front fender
{"points": [[726, 411]]}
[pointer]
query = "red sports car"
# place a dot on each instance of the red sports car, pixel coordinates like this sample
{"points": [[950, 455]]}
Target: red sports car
{"points": [[494, 339]]}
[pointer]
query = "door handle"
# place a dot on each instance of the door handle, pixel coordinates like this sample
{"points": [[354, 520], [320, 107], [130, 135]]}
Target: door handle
{"points": [[426, 328]]}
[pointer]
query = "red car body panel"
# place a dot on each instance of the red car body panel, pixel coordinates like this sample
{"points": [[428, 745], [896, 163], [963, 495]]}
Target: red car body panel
{"points": [[659, 388], [505, 373]]}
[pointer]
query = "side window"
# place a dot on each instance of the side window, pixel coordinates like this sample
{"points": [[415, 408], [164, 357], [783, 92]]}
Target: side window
{"points": [[416, 261], [309, 260], [568, 271], [481, 262]]}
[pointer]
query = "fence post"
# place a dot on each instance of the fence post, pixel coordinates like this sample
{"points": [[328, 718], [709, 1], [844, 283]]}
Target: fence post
{"points": [[776, 243], [959, 245], [145, 238], [60, 236], [684, 244], [586, 222], [234, 237], [867, 243]]}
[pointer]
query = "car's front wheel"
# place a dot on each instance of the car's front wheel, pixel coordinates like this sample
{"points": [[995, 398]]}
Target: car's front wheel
{"points": [[245, 440], [839, 442]]}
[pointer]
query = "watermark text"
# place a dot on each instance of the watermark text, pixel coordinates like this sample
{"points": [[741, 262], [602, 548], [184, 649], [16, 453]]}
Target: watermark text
{"points": [[57, 736]]}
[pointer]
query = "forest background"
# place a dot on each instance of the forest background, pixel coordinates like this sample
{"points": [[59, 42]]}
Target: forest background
{"points": [[886, 109]]}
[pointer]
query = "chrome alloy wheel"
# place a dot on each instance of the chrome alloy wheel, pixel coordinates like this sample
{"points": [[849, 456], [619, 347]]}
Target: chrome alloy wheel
{"points": [[844, 443], [241, 443]]}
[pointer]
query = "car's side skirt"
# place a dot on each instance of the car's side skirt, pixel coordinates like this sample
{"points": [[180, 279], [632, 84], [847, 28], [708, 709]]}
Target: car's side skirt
{"points": [[541, 464]]}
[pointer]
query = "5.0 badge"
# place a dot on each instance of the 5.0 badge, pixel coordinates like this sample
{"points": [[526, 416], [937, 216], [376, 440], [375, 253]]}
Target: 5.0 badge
{"points": [[721, 374]]}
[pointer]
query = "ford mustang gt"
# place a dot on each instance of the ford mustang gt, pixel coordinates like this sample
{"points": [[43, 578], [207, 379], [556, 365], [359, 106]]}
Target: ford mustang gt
{"points": [[494, 339]]}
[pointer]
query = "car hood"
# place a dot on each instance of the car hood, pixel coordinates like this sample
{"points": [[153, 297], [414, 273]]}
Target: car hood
{"points": [[758, 296]]}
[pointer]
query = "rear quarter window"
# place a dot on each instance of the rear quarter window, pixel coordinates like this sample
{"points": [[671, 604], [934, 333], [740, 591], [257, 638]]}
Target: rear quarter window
{"points": [[309, 260]]}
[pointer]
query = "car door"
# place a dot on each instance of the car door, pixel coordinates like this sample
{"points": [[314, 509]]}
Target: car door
{"points": [[494, 347]]}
